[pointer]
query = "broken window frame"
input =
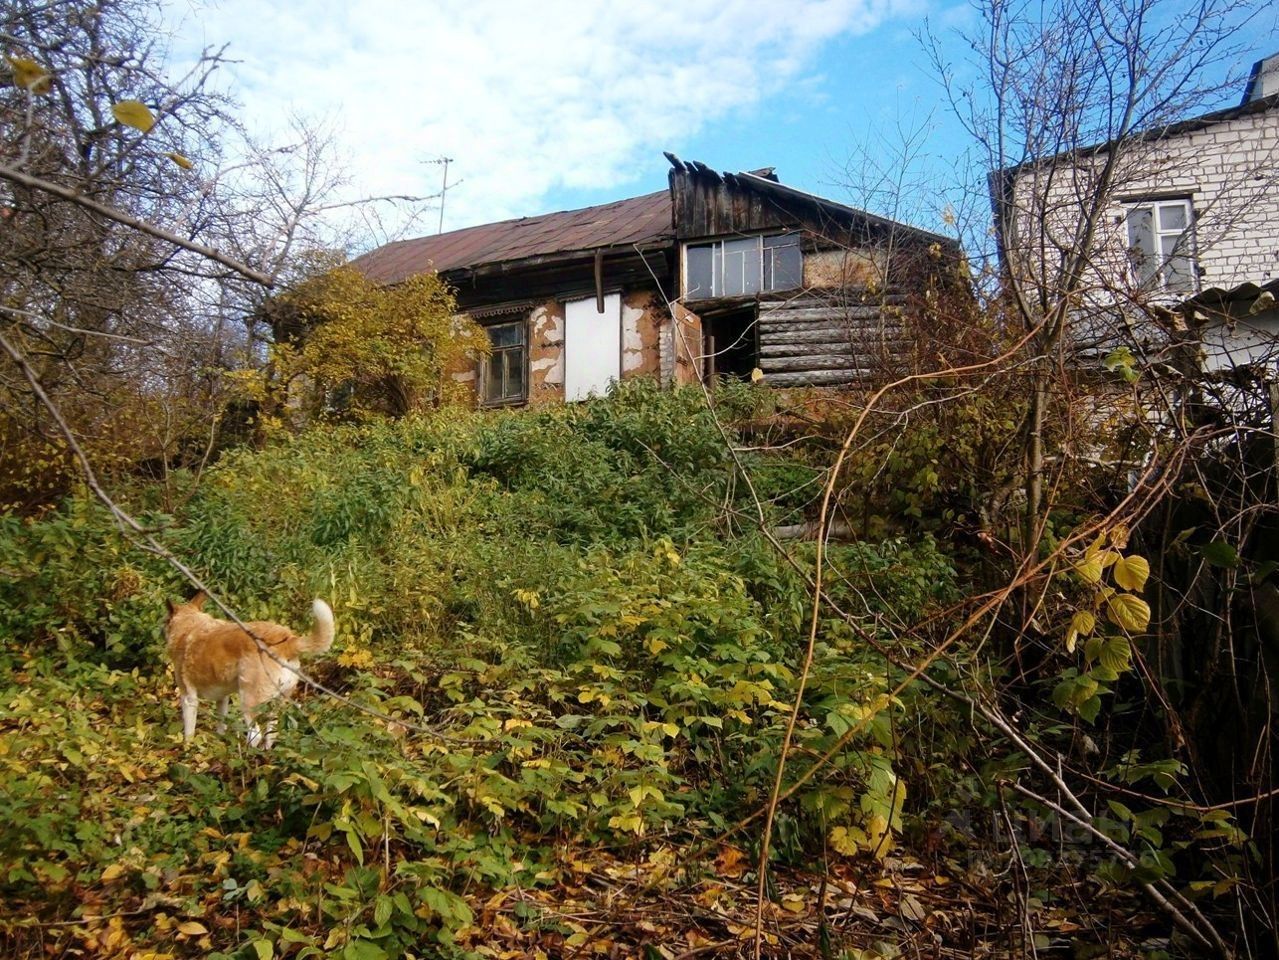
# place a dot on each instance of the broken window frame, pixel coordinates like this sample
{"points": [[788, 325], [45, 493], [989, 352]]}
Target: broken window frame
{"points": [[734, 257], [1162, 257], [510, 357]]}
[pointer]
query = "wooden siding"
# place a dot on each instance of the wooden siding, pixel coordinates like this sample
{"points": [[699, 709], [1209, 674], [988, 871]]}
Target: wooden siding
{"points": [[817, 342]]}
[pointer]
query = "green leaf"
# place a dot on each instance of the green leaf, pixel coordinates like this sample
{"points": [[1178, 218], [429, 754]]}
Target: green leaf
{"points": [[382, 909], [264, 949], [134, 113], [1220, 554], [1131, 572], [1116, 654], [1128, 612], [181, 161], [1089, 709]]}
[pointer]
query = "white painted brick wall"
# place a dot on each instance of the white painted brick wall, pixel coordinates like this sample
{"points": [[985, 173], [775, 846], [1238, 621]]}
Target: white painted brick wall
{"points": [[1231, 173]]}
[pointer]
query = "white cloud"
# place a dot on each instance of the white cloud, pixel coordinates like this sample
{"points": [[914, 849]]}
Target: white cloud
{"points": [[525, 97]]}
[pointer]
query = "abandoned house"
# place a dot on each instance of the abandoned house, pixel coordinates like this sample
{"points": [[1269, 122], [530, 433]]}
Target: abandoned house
{"points": [[718, 275], [1190, 232]]}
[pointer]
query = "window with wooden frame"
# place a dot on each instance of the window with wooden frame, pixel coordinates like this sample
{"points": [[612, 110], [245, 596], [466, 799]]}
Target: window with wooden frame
{"points": [[742, 266], [504, 373], [1161, 245]]}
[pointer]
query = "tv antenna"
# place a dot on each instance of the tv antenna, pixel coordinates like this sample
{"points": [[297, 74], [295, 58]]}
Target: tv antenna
{"points": [[444, 186]]}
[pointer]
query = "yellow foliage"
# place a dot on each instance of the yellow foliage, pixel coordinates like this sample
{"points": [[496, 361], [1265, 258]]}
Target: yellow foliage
{"points": [[349, 347]]}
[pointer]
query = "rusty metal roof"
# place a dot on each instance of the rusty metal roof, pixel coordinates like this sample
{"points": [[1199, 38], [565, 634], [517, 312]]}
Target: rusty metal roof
{"points": [[638, 220]]}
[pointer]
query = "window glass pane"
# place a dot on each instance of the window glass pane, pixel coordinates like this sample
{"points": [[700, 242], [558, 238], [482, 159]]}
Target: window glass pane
{"points": [[743, 269], [1172, 216], [506, 334], [783, 263], [1179, 274], [1141, 244], [514, 374], [1171, 243], [1141, 231], [493, 378], [698, 281]]}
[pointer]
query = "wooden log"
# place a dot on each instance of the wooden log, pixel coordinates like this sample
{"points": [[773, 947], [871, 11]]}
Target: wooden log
{"points": [[784, 350], [814, 361], [829, 314], [823, 378], [836, 331], [834, 335]]}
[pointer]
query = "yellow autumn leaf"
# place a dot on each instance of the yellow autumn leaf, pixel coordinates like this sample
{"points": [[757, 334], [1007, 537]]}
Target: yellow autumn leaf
{"points": [[113, 872], [794, 903], [134, 113], [1128, 612], [1096, 559], [879, 837], [181, 161], [1131, 572], [847, 840], [29, 75], [192, 928], [1081, 625]]}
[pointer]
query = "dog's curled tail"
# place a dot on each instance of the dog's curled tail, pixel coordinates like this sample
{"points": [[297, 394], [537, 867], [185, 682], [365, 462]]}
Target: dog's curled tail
{"points": [[321, 637]]}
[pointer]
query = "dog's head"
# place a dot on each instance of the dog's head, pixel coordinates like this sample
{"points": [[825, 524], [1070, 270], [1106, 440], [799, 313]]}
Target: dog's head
{"points": [[195, 603]]}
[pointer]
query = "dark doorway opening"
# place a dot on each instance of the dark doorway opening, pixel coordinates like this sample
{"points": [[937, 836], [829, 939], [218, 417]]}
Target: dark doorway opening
{"points": [[731, 344]]}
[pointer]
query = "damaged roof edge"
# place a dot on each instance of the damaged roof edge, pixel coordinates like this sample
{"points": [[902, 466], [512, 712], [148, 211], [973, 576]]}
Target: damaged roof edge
{"points": [[768, 185], [766, 181]]}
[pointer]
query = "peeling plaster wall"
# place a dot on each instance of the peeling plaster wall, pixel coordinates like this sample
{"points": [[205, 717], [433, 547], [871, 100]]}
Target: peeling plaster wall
{"points": [[642, 314], [546, 353], [466, 373], [836, 269], [645, 324]]}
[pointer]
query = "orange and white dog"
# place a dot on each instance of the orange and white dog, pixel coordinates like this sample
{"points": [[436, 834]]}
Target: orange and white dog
{"points": [[213, 659]]}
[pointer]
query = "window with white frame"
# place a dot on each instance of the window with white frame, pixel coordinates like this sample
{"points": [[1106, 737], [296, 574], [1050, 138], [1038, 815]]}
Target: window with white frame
{"points": [[742, 266], [1161, 245], [504, 374]]}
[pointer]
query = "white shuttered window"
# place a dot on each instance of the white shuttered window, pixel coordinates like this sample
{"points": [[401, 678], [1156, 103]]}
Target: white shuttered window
{"points": [[592, 346]]}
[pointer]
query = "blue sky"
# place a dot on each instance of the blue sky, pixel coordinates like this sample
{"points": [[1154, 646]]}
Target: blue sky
{"points": [[564, 103]]}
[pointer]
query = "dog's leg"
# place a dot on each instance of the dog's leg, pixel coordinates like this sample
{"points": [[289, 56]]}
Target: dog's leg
{"points": [[190, 704], [223, 706], [258, 735]]}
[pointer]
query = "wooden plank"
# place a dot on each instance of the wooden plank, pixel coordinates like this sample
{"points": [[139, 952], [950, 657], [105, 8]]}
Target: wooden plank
{"points": [[814, 361]]}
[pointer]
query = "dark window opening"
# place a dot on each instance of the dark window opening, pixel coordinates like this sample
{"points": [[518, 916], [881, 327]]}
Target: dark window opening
{"points": [[504, 373], [731, 344]]}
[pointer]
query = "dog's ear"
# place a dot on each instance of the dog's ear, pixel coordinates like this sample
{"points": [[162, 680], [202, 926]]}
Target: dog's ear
{"points": [[198, 600], [170, 606]]}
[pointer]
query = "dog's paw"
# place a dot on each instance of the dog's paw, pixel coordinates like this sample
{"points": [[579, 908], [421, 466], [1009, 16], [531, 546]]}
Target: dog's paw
{"points": [[254, 736]]}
